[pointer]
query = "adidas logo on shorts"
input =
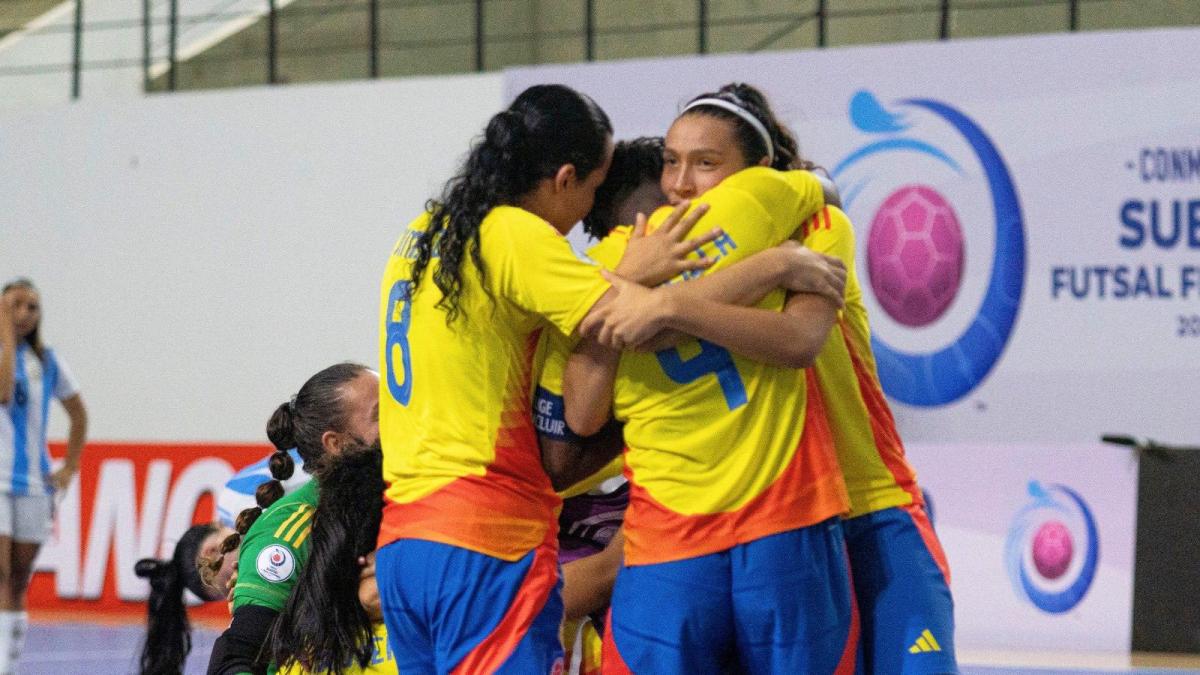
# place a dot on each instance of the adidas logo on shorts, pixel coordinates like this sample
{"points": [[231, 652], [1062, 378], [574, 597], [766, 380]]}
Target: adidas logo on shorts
{"points": [[925, 643]]}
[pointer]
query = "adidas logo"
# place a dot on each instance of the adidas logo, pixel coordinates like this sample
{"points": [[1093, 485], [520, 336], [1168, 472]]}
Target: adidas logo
{"points": [[925, 643]]}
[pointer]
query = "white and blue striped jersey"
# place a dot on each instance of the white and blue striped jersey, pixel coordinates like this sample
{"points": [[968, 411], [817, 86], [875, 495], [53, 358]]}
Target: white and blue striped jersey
{"points": [[24, 455], [238, 493]]}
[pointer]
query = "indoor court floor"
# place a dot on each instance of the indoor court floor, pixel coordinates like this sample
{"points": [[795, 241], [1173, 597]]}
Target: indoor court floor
{"points": [[63, 648]]}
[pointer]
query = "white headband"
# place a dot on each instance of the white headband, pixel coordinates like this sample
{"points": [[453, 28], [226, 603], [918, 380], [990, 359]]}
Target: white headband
{"points": [[742, 113]]}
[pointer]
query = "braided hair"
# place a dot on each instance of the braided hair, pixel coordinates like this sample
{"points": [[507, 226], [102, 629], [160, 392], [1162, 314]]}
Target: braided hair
{"points": [[753, 101], [168, 632], [546, 127], [298, 423]]}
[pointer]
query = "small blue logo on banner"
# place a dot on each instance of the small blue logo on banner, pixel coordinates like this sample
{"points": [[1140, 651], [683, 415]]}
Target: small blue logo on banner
{"points": [[1052, 548], [916, 251]]}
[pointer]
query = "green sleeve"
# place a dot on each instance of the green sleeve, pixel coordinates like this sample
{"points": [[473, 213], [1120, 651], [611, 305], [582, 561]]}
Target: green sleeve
{"points": [[271, 556]]}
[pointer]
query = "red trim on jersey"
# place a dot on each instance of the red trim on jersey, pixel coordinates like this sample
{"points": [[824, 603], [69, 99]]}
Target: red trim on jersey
{"points": [[490, 654], [504, 513], [809, 490], [883, 425], [921, 520], [820, 219]]}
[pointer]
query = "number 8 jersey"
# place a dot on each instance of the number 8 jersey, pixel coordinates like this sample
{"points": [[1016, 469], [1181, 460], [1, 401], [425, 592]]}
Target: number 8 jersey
{"points": [[460, 454], [723, 450]]}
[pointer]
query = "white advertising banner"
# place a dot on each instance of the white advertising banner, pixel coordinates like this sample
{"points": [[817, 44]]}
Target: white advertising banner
{"points": [[1028, 221], [1040, 542], [1028, 215]]}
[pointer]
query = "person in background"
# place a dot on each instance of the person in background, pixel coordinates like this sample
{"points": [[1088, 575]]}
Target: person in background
{"points": [[168, 632], [31, 374], [334, 413]]}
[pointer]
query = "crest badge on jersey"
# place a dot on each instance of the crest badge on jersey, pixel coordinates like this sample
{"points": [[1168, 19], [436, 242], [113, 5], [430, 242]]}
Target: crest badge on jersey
{"points": [[276, 563]]}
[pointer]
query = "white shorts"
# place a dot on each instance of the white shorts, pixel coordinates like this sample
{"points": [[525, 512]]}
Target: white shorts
{"points": [[27, 519]]}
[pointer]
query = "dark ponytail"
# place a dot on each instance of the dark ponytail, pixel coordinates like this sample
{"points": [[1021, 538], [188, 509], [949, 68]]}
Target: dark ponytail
{"points": [[324, 627], [753, 101], [168, 632], [546, 127], [298, 424]]}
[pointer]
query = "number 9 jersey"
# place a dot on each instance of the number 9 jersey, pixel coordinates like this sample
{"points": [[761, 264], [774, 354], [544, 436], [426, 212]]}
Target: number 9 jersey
{"points": [[723, 450]]}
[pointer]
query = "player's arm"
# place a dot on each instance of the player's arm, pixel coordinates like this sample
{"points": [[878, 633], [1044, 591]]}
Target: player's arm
{"points": [[567, 457], [652, 259], [769, 201], [588, 582], [76, 435], [788, 266], [769, 336], [588, 382], [236, 650], [563, 290], [8, 350], [569, 461], [790, 339]]}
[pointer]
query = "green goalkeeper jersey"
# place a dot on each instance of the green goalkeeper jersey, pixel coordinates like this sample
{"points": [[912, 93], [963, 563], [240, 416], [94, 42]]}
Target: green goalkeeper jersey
{"points": [[275, 550]]}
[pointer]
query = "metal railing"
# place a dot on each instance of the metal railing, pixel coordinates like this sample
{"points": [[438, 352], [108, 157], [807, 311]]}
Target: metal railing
{"points": [[780, 24]]}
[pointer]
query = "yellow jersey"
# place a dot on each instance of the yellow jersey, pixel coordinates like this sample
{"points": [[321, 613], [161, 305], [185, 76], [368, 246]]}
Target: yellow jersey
{"points": [[723, 450], [868, 446], [460, 454], [382, 662]]}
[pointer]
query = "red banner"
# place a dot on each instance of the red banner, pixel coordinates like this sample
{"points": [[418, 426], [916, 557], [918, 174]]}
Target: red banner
{"points": [[130, 501]]}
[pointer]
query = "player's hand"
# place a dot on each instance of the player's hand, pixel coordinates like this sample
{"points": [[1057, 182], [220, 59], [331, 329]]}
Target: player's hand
{"points": [[368, 588], [651, 259], [366, 564], [8, 318], [806, 271], [61, 479], [634, 316]]}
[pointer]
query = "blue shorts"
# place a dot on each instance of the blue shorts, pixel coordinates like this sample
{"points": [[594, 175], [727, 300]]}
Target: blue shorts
{"points": [[452, 610], [900, 581], [779, 604]]}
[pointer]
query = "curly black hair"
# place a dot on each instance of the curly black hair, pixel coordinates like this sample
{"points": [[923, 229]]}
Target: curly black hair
{"points": [[545, 128], [634, 163]]}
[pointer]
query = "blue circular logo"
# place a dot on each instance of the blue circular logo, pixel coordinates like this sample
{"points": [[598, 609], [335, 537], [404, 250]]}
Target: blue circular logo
{"points": [[1052, 548], [916, 254]]}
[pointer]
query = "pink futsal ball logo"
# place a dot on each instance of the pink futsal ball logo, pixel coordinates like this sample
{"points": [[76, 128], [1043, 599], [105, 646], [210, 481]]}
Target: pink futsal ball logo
{"points": [[915, 255], [1052, 549]]}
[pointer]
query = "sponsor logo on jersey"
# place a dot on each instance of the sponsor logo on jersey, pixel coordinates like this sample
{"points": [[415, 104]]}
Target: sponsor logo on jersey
{"points": [[276, 563]]}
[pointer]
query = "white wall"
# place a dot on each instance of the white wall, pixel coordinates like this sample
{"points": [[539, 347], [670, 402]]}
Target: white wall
{"points": [[113, 32], [201, 254]]}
